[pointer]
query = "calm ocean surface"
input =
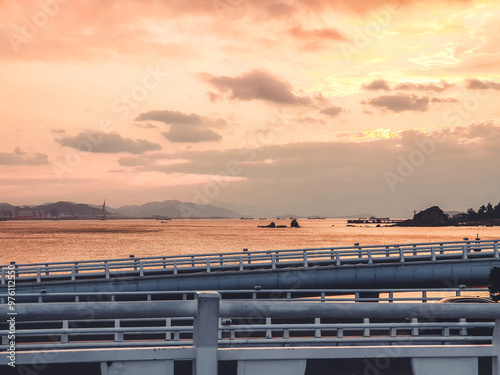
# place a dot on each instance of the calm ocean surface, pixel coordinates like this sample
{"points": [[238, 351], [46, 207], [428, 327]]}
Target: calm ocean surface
{"points": [[71, 240]]}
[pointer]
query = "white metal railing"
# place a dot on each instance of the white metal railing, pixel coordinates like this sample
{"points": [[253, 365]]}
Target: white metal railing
{"points": [[250, 324], [120, 333], [409, 295], [243, 261]]}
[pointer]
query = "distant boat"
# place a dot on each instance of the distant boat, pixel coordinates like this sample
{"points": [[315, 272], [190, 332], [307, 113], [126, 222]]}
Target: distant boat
{"points": [[246, 218], [104, 217], [316, 218], [262, 218]]}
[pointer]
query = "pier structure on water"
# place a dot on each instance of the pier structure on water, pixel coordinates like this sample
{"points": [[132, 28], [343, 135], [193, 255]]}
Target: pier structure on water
{"points": [[119, 315]]}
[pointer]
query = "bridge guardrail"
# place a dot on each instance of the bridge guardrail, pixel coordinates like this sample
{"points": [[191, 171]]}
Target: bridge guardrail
{"points": [[249, 324], [415, 295], [243, 261]]}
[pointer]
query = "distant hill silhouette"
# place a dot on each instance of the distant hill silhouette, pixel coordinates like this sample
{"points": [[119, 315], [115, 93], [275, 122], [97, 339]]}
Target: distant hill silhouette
{"points": [[71, 210], [176, 209]]}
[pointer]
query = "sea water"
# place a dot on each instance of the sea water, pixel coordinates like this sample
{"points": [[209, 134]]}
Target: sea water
{"points": [[75, 240]]}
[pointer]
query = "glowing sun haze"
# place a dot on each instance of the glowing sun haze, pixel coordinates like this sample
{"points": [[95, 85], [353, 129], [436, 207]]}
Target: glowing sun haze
{"points": [[265, 107]]}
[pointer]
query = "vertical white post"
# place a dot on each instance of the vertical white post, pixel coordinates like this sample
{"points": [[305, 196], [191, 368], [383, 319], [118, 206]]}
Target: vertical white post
{"points": [[495, 249], [118, 334], [206, 328], [64, 336]]}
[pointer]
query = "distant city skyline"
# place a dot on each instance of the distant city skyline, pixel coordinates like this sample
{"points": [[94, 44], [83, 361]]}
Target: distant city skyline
{"points": [[320, 107]]}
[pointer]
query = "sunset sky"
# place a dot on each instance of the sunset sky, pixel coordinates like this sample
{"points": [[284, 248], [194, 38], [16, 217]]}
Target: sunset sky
{"points": [[307, 107]]}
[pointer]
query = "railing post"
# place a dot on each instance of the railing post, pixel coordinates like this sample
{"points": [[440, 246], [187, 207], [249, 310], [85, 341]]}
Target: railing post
{"points": [[175, 266], [337, 262], [141, 268], [64, 336], [168, 324], [273, 261], [3, 276], [118, 334], [306, 263], [464, 252], [317, 331], [495, 249], [205, 333], [370, 259], [433, 253], [107, 270], [208, 265], [366, 331], [401, 255]]}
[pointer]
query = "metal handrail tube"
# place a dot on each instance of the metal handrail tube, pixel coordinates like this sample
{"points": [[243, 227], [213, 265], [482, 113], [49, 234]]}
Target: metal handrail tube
{"points": [[100, 331], [102, 310], [246, 309], [408, 340]]}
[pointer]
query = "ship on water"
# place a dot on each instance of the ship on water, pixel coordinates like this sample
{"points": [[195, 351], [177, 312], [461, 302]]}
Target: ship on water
{"points": [[104, 216]]}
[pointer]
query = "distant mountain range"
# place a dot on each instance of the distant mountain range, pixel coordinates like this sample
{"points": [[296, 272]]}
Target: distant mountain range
{"points": [[176, 209], [166, 209]]}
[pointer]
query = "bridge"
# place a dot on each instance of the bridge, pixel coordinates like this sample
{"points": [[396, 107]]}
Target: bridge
{"points": [[293, 312], [406, 265], [257, 336]]}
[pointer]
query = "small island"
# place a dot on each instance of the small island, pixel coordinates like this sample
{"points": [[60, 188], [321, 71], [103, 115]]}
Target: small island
{"points": [[436, 217], [293, 224]]}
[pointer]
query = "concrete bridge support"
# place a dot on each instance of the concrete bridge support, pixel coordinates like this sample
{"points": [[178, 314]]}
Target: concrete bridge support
{"points": [[272, 367], [439, 366], [137, 368]]}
